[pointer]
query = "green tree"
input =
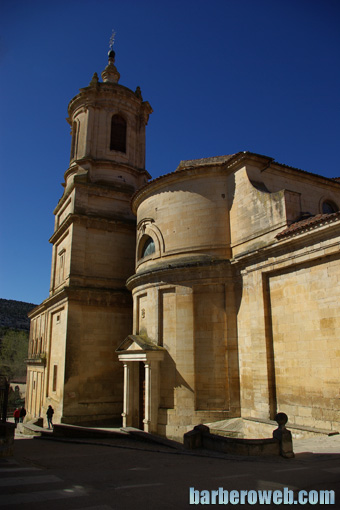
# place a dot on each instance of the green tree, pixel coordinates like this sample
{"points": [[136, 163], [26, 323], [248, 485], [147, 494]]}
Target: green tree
{"points": [[13, 352]]}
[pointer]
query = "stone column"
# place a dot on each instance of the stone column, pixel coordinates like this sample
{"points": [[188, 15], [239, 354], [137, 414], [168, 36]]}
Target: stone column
{"points": [[147, 419], [151, 396], [126, 414]]}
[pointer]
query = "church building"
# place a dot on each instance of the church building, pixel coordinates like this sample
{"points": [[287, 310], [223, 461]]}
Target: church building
{"points": [[209, 293]]}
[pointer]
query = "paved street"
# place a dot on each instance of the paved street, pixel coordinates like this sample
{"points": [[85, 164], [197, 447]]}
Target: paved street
{"points": [[125, 474]]}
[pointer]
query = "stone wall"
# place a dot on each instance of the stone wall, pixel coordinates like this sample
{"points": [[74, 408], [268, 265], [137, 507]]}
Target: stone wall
{"points": [[46, 358], [288, 322], [305, 321], [210, 352], [93, 387]]}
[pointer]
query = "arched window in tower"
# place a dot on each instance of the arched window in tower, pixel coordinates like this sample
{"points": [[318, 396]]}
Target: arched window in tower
{"points": [[118, 134], [73, 142], [148, 248]]}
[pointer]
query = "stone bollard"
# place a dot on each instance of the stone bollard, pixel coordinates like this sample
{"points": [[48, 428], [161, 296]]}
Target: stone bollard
{"points": [[6, 439], [284, 436], [193, 439]]}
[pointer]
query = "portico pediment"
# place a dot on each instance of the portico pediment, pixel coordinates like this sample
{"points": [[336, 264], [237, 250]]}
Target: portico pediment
{"points": [[133, 343]]}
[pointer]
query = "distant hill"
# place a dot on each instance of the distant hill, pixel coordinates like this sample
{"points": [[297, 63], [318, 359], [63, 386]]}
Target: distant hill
{"points": [[13, 314]]}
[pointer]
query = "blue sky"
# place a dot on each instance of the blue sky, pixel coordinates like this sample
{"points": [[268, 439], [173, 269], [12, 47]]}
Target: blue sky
{"points": [[221, 76]]}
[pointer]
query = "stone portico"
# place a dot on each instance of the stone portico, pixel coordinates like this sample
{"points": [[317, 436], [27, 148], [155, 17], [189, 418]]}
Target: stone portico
{"points": [[141, 359]]}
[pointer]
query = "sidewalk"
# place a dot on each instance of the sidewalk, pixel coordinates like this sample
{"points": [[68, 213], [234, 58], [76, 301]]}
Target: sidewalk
{"points": [[318, 444], [135, 439]]}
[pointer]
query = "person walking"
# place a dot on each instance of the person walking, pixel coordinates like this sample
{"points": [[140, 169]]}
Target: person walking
{"points": [[16, 415], [49, 415], [22, 414]]}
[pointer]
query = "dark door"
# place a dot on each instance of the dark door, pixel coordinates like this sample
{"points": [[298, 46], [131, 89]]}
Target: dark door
{"points": [[141, 395]]}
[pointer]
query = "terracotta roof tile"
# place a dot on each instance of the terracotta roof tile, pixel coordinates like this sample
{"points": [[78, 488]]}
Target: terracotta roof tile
{"points": [[308, 223], [204, 161]]}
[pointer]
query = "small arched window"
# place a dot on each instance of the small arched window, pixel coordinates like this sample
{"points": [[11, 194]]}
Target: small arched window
{"points": [[118, 134], [148, 248], [329, 207]]}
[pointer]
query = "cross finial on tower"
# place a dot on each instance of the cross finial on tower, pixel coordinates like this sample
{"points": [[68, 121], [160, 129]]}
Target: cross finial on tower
{"points": [[110, 73], [112, 40]]}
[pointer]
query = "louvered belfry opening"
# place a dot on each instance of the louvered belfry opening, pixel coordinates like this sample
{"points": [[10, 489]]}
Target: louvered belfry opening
{"points": [[118, 134]]}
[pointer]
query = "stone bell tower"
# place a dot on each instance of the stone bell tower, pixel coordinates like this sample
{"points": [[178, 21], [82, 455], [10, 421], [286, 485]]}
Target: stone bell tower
{"points": [[74, 333]]}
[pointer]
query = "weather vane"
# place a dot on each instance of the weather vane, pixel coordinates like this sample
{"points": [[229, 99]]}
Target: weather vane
{"points": [[112, 40]]}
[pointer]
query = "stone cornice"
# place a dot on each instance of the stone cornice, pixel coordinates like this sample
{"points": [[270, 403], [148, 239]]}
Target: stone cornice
{"points": [[295, 249], [82, 179], [89, 96], [109, 297], [105, 163], [114, 187], [55, 300], [63, 199], [38, 361], [106, 93], [97, 222], [163, 269]]}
